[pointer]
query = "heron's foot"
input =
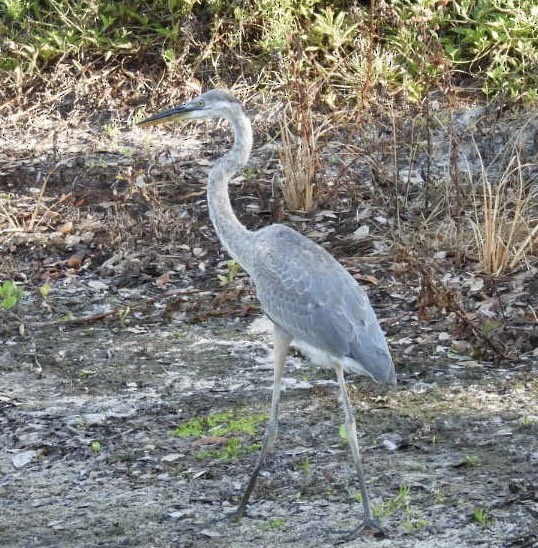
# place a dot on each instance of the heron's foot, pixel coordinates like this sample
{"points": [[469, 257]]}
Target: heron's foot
{"points": [[369, 525], [375, 526], [236, 515]]}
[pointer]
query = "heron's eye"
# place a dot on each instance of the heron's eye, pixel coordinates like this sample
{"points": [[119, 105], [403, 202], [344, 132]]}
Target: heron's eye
{"points": [[200, 103]]}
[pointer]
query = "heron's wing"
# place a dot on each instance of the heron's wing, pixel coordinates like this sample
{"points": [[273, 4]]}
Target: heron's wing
{"points": [[307, 292]]}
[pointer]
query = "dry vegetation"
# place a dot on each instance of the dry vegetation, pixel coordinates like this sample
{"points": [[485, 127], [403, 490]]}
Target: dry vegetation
{"points": [[410, 126], [506, 225]]}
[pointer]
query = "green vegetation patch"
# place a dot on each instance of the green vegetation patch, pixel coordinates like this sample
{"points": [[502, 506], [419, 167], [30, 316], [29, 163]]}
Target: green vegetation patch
{"points": [[388, 507], [229, 430], [481, 516], [273, 524], [10, 295], [405, 47], [401, 504]]}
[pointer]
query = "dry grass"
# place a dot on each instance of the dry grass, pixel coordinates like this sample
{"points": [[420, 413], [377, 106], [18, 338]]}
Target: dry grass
{"points": [[299, 159], [506, 225], [26, 214], [299, 154]]}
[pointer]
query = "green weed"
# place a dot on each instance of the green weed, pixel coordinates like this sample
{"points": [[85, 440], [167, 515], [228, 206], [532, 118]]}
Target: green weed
{"points": [[490, 326], [10, 295], [123, 314], [400, 503], [481, 516], [389, 507], [224, 425], [193, 427], [414, 524], [231, 450], [527, 421], [273, 523], [305, 465], [111, 130], [357, 496], [44, 290], [471, 461], [233, 267]]}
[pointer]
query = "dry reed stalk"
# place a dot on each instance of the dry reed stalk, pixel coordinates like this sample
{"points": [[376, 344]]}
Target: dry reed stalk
{"points": [[505, 229], [298, 156]]}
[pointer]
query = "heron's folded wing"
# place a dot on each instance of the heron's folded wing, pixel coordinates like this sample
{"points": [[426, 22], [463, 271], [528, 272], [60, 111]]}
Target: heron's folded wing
{"points": [[307, 292]]}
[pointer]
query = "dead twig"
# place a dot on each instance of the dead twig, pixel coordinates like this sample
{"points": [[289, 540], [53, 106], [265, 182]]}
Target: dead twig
{"points": [[121, 312], [243, 310], [118, 312]]}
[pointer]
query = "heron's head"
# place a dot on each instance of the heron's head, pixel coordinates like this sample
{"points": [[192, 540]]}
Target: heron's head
{"points": [[211, 104]]}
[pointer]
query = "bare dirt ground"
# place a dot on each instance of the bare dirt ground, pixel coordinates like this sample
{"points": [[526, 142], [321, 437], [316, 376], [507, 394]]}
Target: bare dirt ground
{"points": [[147, 327]]}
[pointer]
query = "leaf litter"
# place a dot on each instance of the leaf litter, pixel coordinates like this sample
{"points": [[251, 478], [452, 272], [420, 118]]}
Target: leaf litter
{"points": [[145, 327]]}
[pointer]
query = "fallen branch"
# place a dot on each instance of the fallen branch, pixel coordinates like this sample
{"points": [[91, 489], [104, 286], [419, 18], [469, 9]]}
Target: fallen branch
{"points": [[117, 312]]}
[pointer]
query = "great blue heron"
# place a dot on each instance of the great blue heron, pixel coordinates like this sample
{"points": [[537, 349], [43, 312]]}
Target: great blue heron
{"points": [[306, 293]]}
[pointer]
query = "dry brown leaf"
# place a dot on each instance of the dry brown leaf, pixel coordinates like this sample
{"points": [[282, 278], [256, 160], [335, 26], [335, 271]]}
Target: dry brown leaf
{"points": [[163, 280], [210, 440], [66, 228], [368, 278], [74, 261]]}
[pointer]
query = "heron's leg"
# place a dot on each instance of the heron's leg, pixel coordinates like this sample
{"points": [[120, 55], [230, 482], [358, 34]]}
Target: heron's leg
{"points": [[280, 349], [351, 434]]}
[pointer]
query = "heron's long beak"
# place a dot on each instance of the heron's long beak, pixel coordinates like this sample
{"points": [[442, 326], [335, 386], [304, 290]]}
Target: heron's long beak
{"points": [[177, 113]]}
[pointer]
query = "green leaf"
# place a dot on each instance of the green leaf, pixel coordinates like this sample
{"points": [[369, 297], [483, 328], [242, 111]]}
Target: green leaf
{"points": [[44, 290], [9, 302]]}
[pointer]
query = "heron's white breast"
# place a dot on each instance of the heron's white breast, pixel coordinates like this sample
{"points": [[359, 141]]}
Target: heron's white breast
{"points": [[325, 359]]}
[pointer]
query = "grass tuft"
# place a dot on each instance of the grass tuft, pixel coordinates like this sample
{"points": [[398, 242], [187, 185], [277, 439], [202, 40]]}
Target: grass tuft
{"points": [[298, 157], [505, 226]]}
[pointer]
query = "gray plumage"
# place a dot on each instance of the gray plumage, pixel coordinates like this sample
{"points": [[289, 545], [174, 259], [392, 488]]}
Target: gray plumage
{"points": [[306, 293]]}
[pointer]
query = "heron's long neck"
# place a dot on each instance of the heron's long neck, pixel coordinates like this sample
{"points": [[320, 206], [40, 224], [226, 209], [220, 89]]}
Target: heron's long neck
{"points": [[235, 237]]}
